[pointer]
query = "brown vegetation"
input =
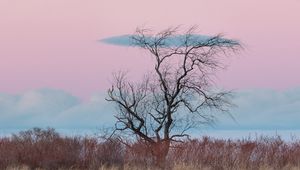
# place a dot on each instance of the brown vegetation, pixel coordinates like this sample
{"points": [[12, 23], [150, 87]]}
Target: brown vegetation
{"points": [[46, 149]]}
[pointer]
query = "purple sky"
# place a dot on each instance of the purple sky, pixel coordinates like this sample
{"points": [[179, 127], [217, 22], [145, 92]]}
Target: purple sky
{"points": [[51, 57], [53, 43]]}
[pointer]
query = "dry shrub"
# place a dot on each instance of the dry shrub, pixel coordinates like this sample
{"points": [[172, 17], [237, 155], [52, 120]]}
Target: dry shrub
{"points": [[46, 149], [263, 152]]}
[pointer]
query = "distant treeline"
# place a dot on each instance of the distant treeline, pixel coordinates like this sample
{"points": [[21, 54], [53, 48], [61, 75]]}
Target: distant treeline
{"points": [[46, 149]]}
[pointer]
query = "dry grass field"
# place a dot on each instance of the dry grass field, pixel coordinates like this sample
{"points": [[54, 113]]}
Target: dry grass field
{"points": [[46, 149]]}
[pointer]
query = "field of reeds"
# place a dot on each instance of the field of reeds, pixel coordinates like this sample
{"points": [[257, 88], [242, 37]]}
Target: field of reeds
{"points": [[46, 149]]}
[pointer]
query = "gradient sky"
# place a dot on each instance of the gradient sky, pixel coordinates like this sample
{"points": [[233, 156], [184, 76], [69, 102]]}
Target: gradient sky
{"points": [[54, 44]]}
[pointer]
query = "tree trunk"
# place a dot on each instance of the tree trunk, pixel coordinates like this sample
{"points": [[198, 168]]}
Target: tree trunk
{"points": [[160, 151]]}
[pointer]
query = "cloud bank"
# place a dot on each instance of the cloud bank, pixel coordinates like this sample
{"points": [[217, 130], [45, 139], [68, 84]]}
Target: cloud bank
{"points": [[55, 108], [256, 109], [264, 109]]}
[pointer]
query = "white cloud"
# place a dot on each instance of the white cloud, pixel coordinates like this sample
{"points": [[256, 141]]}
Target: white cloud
{"points": [[55, 108], [265, 109], [256, 109]]}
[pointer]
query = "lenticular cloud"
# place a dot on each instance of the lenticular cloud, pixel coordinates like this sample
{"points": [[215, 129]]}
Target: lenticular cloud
{"points": [[176, 40]]}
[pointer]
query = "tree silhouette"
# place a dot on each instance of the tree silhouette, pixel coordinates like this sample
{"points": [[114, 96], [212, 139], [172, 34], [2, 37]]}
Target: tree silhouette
{"points": [[178, 94]]}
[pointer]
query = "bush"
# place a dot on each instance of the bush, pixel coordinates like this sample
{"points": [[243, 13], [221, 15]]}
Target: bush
{"points": [[46, 149]]}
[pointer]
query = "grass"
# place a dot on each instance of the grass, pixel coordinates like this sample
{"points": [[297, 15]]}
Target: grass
{"points": [[46, 149]]}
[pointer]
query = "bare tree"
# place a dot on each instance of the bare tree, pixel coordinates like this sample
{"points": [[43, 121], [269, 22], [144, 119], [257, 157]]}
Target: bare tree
{"points": [[179, 94]]}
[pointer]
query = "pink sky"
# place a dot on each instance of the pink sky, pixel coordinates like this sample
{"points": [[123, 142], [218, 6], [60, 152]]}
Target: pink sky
{"points": [[53, 43]]}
